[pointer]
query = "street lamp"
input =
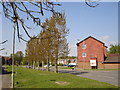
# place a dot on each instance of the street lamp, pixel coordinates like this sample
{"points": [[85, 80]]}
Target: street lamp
{"points": [[5, 59], [14, 29]]}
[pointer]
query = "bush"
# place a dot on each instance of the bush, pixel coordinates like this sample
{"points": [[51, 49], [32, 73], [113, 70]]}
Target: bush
{"points": [[53, 64], [60, 64]]}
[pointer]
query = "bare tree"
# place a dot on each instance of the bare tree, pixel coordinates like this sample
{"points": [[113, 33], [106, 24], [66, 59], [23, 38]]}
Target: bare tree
{"points": [[3, 43], [92, 3], [13, 10]]}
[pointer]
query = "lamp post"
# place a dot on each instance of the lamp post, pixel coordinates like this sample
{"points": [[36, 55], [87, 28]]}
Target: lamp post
{"points": [[14, 29], [6, 60]]}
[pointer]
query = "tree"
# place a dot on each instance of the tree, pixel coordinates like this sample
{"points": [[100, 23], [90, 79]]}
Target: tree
{"points": [[55, 34], [51, 43], [13, 10], [3, 43], [18, 57], [24, 61], [31, 52], [114, 49], [45, 38]]}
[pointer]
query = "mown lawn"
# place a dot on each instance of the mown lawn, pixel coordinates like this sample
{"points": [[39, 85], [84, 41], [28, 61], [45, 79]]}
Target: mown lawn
{"points": [[29, 78]]}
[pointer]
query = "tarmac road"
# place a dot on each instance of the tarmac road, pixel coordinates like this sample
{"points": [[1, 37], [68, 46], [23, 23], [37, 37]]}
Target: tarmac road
{"points": [[110, 77]]}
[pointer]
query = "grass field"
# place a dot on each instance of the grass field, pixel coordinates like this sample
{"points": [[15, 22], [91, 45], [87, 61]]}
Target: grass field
{"points": [[29, 78]]}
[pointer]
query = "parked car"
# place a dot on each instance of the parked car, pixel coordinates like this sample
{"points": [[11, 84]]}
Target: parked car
{"points": [[47, 65], [72, 65]]}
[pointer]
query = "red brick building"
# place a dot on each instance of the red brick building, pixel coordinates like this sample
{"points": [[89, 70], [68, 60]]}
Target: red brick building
{"points": [[91, 53]]}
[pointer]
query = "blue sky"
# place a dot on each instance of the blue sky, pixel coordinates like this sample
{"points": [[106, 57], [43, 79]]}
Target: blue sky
{"points": [[100, 22]]}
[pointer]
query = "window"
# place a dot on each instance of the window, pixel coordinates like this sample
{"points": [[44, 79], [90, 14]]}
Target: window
{"points": [[83, 54], [83, 46]]}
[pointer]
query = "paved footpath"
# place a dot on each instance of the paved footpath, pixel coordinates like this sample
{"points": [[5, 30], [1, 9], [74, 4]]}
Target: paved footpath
{"points": [[110, 77], [5, 79], [0, 81]]}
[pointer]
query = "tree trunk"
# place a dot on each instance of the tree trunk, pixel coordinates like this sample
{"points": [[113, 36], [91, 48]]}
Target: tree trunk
{"points": [[33, 64], [56, 66], [42, 65], [48, 65], [38, 68], [28, 65]]}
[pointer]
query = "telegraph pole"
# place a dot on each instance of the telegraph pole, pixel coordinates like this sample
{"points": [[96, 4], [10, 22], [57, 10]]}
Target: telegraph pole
{"points": [[5, 60], [14, 29]]}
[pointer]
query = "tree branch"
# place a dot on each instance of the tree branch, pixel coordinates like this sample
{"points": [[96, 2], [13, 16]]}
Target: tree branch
{"points": [[4, 42]]}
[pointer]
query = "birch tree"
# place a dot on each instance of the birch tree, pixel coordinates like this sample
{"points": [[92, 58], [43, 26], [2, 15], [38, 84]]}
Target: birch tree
{"points": [[55, 34]]}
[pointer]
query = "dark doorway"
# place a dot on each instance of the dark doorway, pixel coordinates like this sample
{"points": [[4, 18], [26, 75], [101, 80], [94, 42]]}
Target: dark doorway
{"points": [[94, 67]]}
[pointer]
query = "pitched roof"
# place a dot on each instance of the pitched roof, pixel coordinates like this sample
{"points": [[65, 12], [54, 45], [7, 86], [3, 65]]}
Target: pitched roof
{"points": [[6, 57], [112, 58], [90, 37]]}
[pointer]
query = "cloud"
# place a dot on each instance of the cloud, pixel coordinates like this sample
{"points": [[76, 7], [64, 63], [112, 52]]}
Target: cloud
{"points": [[113, 42], [105, 38]]}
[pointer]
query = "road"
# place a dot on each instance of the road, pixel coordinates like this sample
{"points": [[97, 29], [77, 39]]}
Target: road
{"points": [[110, 77]]}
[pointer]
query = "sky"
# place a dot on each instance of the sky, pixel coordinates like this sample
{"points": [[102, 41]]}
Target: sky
{"points": [[100, 22]]}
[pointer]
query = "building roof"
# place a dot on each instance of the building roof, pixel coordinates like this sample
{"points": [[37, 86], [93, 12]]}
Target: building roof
{"points": [[112, 58], [6, 57], [90, 37]]}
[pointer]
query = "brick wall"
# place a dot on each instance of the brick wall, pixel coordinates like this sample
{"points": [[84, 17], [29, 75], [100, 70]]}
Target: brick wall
{"points": [[112, 66], [100, 65], [96, 49], [86, 65], [93, 48]]}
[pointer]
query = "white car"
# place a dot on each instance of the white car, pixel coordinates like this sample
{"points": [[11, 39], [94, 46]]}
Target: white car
{"points": [[47, 65], [72, 65]]}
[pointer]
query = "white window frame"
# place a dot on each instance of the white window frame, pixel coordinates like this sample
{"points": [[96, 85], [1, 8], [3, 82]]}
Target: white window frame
{"points": [[83, 46], [83, 54]]}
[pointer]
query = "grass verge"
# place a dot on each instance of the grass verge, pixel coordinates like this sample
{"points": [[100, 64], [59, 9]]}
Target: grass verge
{"points": [[65, 67], [29, 78]]}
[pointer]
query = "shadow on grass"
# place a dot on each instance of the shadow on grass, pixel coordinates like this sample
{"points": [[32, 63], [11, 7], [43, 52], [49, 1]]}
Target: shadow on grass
{"points": [[72, 72], [4, 71]]}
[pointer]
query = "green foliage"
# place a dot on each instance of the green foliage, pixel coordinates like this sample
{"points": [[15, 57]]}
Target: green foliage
{"points": [[18, 57], [114, 49], [68, 57], [60, 64], [24, 61]]}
